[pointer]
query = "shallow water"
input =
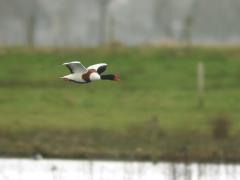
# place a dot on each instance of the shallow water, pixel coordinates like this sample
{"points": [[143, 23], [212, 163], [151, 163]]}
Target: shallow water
{"points": [[49, 169]]}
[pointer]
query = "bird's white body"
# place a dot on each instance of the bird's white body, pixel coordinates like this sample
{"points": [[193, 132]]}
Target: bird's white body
{"points": [[77, 77]]}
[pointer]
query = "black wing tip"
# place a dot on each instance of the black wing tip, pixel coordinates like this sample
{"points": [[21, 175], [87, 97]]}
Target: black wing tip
{"points": [[70, 69], [101, 69]]}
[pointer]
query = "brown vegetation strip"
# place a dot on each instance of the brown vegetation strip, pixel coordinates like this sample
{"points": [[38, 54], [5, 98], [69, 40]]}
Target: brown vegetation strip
{"points": [[128, 145]]}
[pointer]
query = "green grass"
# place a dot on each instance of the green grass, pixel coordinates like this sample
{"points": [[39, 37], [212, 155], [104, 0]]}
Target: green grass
{"points": [[151, 113]]}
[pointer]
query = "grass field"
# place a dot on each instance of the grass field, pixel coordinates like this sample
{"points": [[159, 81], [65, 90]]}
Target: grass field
{"points": [[152, 113]]}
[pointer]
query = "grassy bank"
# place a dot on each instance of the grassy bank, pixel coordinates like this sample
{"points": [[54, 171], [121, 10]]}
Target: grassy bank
{"points": [[152, 113]]}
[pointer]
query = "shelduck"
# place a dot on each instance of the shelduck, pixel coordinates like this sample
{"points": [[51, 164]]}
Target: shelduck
{"points": [[80, 74]]}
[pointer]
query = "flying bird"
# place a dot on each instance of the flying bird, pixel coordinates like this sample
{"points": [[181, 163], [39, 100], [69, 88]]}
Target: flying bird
{"points": [[80, 74]]}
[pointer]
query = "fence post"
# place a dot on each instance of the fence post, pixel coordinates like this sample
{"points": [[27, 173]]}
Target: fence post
{"points": [[200, 84]]}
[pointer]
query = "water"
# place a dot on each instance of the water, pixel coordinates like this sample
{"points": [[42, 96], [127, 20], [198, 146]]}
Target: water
{"points": [[28, 169]]}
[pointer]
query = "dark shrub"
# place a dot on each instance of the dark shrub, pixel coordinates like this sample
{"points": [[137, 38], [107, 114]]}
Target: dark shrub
{"points": [[221, 127]]}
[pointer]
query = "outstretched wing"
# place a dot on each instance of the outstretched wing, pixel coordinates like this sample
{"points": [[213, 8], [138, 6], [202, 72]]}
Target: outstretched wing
{"points": [[75, 67], [100, 68]]}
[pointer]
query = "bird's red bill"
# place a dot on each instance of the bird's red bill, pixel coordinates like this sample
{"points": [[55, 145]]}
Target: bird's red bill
{"points": [[116, 78]]}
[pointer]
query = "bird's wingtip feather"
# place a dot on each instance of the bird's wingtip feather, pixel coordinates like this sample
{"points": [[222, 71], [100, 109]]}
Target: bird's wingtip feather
{"points": [[75, 62], [72, 62]]}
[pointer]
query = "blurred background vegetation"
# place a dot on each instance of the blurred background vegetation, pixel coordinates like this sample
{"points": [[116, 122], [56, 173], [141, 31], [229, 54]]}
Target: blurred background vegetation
{"points": [[92, 23]]}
